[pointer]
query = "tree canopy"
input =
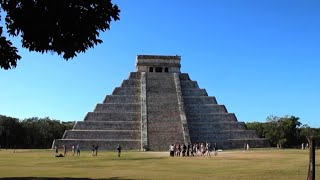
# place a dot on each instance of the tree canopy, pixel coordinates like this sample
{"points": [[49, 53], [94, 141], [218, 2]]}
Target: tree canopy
{"points": [[65, 27], [30, 133], [285, 131]]}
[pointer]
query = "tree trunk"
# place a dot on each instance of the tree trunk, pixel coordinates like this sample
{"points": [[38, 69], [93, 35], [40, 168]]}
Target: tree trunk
{"points": [[311, 171]]}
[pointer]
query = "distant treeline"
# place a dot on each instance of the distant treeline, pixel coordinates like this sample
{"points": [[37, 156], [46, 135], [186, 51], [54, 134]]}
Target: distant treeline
{"points": [[285, 131], [37, 132], [30, 133]]}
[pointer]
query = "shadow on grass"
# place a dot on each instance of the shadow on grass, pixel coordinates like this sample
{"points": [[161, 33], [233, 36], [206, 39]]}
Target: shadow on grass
{"points": [[139, 158], [63, 178]]}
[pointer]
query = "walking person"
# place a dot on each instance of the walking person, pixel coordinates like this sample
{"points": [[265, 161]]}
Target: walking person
{"points": [[96, 150], [78, 150], [64, 150], [93, 148], [119, 150]]}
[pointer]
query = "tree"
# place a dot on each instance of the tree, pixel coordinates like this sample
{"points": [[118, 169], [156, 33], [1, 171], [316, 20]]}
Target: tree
{"points": [[40, 132], [282, 131], [258, 127], [309, 133], [12, 131], [32, 132], [66, 27]]}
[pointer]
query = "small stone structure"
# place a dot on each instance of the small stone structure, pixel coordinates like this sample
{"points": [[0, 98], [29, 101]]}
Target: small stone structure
{"points": [[156, 106]]}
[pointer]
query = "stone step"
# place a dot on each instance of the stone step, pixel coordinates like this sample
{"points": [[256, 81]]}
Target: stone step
{"points": [[107, 125], [211, 117], [102, 134], [194, 92], [131, 83], [189, 84], [104, 144], [216, 126], [184, 77], [113, 116], [199, 100], [164, 119], [126, 91], [122, 99], [135, 75], [206, 108], [162, 105], [208, 136], [118, 107]]}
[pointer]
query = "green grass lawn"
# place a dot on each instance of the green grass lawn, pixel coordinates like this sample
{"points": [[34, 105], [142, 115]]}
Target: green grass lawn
{"points": [[236, 164]]}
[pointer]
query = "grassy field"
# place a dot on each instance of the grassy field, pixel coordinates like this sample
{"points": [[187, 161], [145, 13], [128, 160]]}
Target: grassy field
{"points": [[254, 164]]}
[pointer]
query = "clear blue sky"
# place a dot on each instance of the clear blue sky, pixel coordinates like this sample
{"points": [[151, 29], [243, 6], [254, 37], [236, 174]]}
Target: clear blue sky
{"points": [[258, 58]]}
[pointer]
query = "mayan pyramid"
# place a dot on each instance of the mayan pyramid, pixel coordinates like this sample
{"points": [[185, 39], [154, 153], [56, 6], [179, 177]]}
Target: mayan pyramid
{"points": [[157, 106]]}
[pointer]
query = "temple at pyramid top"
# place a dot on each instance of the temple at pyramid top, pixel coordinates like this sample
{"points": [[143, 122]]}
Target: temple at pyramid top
{"points": [[157, 63]]}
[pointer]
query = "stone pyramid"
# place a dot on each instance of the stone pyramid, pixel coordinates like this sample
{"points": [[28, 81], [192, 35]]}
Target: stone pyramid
{"points": [[157, 106]]}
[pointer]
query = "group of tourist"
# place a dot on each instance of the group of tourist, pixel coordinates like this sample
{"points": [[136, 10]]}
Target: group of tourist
{"points": [[76, 150], [196, 149]]}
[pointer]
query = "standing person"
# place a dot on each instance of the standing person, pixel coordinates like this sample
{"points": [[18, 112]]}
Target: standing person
{"points": [[194, 150], [96, 149], [188, 149], [215, 148], [175, 150], [208, 149], [247, 146], [72, 150], [93, 148], [202, 149], [56, 150], [184, 149], [178, 149], [64, 150], [119, 150], [78, 150], [171, 149], [198, 149]]}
